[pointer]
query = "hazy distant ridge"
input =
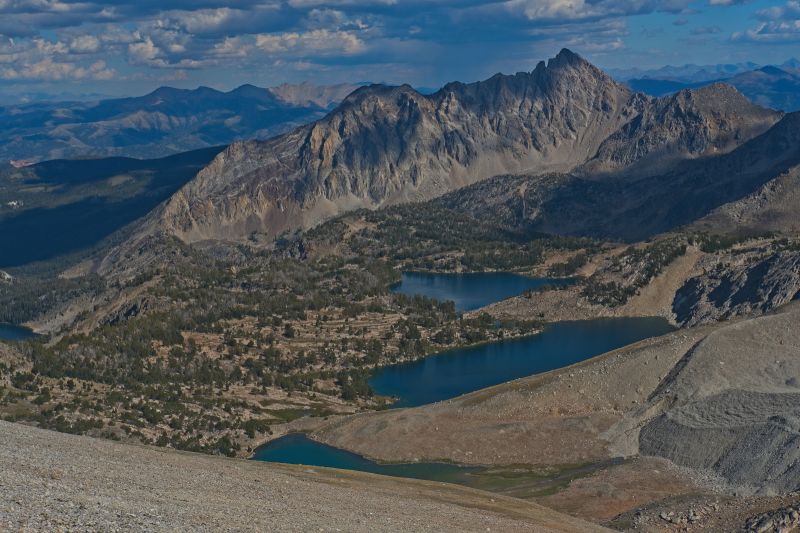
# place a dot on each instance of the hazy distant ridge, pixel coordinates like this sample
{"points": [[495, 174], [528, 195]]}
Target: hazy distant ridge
{"points": [[162, 123]]}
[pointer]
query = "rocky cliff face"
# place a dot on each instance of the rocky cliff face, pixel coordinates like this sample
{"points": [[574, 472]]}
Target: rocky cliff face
{"points": [[749, 288]]}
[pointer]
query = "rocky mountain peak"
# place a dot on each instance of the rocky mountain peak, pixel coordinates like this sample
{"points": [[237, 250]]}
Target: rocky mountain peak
{"points": [[567, 57]]}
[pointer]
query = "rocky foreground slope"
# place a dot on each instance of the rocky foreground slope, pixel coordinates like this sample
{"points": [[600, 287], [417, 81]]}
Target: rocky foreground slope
{"points": [[56, 482], [386, 145]]}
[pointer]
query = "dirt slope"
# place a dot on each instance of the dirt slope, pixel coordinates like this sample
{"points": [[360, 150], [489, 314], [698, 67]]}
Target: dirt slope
{"points": [[53, 482]]}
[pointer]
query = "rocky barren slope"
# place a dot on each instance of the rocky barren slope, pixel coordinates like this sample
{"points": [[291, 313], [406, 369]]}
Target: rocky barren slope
{"points": [[57, 482], [386, 145], [731, 406]]}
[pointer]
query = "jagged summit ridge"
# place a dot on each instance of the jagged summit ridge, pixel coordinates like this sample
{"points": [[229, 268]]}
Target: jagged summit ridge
{"points": [[688, 124], [386, 144]]}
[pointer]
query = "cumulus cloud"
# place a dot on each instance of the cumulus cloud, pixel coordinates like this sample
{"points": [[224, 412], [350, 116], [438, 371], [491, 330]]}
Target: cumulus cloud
{"points": [[231, 47], [85, 44], [778, 24], [316, 41], [591, 9], [40, 59], [77, 39], [50, 69], [144, 51]]}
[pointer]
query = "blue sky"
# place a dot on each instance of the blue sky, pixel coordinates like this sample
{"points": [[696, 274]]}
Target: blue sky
{"points": [[133, 46]]}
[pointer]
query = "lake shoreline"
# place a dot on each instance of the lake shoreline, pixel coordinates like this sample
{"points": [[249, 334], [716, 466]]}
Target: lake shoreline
{"points": [[454, 372]]}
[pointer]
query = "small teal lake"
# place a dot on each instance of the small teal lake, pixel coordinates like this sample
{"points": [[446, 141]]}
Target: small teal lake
{"points": [[470, 291], [9, 332], [513, 480], [296, 449]]}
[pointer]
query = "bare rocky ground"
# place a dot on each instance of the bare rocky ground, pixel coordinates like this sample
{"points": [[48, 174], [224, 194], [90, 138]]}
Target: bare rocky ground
{"points": [[710, 410], [699, 513], [56, 482], [655, 299], [747, 279]]}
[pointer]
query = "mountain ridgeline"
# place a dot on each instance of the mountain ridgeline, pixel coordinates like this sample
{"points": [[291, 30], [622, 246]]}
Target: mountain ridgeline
{"points": [[162, 123], [769, 86], [386, 145]]}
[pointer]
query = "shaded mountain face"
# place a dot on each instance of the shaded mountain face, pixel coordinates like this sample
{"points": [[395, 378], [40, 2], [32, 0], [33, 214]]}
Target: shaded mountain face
{"points": [[164, 122], [63, 206], [773, 87], [386, 145], [734, 190], [689, 124]]}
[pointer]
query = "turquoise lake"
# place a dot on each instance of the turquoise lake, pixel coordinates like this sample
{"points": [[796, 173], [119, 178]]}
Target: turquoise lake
{"points": [[296, 449]]}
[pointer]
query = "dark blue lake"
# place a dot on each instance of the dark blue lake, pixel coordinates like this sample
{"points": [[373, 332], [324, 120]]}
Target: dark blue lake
{"points": [[470, 291], [456, 372], [15, 333]]}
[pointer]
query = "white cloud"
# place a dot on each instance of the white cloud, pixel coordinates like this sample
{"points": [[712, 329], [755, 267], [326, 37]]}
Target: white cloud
{"points": [[317, 41], [570, 10], [780, 24], [143, 51], [50, 70], [84, 44], [40, 59], [231, 47]]}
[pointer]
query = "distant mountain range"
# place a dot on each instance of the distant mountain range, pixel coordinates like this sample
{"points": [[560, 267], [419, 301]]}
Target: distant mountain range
{"points": [[162, 123], [777, 87], [695, 73]]}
